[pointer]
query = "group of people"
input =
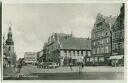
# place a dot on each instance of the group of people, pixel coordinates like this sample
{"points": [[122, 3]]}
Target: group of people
{"points": [[79, 64]]}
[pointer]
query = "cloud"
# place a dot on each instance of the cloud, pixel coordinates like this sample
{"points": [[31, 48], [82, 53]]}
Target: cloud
{"points": [[79, 26], [33, 23]]}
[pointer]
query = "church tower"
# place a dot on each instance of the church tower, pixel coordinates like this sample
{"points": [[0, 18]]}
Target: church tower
{"points": [[10, 48]]}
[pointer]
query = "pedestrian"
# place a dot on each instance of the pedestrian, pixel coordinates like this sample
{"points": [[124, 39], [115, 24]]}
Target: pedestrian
{"points": [[82, 65], [70, 65]]}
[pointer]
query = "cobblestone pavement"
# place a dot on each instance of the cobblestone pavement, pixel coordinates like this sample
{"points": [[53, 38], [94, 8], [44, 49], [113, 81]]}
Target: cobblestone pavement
{"points": [[31, 72], [33, 69]]}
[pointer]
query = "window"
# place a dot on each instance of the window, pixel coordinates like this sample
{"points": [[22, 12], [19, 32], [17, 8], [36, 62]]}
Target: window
{"points": [[98, 50], [91, 59], [87, 60], [96, 59], [82, 53], [89, 54], [101, 59], [106, 49], [106, 34], [102, 50], [113, 35], [107, 40], [113, 46], [93, 51], [102, 34], [77, 52], [94, 43], [117, 46], [74, 52], [123, 34], [102, 41]]}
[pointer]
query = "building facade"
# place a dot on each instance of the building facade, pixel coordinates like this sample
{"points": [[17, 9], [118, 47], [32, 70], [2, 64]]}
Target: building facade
{"points": [[118, 36], [40, 57], [9, 56], [101, 39], [65, 49], [30, 57]]}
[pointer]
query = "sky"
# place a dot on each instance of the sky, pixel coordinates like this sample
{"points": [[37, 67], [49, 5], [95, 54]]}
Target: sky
{"points": [[32, 24]]}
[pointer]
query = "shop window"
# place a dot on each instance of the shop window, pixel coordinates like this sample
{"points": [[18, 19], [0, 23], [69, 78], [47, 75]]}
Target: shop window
{"points": [[96, 59], [101, 59], [91, 59], [87, 60]]}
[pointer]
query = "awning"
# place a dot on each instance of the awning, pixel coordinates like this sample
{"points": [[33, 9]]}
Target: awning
{"points": [[116, 57]]}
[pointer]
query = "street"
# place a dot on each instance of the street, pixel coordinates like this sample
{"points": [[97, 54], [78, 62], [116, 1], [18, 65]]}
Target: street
{"points": [[31, 72]]}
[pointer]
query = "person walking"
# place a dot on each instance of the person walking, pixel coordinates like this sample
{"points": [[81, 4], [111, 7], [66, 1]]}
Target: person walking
{"points": [[70, 65]]}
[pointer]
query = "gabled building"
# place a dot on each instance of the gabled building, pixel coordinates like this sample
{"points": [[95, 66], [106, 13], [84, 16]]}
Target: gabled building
{"points": [[101, 39], [30, 57], [65, 49], [118, 38]]}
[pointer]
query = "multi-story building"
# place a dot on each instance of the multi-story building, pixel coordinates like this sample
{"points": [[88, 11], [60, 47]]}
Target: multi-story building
{"points": [[9, 56], [101, 39], [118, 36], [30, 57], [65, 49]]}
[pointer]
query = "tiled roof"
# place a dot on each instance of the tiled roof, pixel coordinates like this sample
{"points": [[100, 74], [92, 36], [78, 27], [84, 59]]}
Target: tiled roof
{"points": [[75, 43]]}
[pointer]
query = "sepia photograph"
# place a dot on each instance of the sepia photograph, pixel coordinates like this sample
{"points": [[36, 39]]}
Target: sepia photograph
{"points": [[63, 41]]}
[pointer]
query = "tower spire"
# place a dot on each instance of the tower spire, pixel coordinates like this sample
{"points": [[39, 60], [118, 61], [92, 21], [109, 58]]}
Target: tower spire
{"points": [[9, 40]]}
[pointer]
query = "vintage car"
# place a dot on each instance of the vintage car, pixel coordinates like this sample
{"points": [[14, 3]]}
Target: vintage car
{"points": [[52, 65]]}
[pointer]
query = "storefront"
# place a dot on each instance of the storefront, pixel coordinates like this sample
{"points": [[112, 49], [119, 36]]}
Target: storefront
{"points": [[117, 60]]}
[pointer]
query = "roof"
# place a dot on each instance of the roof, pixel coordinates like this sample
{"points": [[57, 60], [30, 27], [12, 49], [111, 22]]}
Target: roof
{"points": [[110, 20], [75, 43], [107, 19]]}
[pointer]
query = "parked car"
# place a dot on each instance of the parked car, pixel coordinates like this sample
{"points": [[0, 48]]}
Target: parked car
{"points": [[52, 65], [47, 65]]}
